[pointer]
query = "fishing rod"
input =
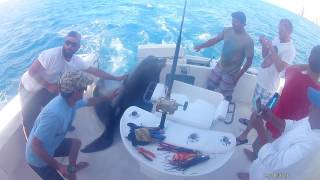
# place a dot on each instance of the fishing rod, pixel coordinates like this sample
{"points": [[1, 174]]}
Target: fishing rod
{"points": [[173, 68]]}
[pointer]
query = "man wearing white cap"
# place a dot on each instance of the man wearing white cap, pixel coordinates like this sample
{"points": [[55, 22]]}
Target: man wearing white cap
{"points": [[47, 138]]}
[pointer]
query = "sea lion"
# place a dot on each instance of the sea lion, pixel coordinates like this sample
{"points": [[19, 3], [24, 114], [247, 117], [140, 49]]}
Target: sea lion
{"points": [[131, 94]]}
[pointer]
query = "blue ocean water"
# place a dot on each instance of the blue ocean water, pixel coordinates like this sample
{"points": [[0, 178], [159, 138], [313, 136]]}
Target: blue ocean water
{"points": [[114, 29]]}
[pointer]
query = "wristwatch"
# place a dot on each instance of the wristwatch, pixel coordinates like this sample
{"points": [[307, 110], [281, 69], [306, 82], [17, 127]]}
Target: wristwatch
{"points": [[71, 168]]}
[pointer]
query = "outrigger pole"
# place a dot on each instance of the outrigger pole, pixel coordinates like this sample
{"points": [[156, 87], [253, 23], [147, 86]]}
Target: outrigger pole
{"points": [[173, 68]]}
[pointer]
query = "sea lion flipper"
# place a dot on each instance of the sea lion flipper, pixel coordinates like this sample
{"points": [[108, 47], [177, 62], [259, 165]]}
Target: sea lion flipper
{"points": [[99, 144]]}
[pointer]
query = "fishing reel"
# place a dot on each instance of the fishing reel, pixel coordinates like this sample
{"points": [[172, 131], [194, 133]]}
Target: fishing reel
{"points": [[169, 106], [162, 104]]}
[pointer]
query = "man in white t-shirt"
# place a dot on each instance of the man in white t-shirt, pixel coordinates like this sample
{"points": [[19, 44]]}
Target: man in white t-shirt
{"points": [[40, 83], [294, 155], [277, 55]]}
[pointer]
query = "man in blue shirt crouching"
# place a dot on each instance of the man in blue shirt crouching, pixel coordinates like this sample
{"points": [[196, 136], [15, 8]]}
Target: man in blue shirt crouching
{"points": [[47, 138]]}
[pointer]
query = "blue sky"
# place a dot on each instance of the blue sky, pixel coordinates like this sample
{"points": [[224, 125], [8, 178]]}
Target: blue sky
{"points": [[309, 8]]}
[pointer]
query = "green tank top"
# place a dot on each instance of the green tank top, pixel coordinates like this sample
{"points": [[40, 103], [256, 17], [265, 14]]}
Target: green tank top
{"points": [[235, 49]]}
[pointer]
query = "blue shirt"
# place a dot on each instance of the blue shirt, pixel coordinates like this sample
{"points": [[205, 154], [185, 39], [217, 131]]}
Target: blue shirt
{"points": [[50, 127]]}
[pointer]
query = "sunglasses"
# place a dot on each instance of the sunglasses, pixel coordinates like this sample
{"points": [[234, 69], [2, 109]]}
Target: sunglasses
{"points": [[73, 44]]}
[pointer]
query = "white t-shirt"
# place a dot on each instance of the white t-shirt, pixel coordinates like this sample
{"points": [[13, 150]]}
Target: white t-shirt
{"points": [[286, 153], [55, 65], [269, 78]]}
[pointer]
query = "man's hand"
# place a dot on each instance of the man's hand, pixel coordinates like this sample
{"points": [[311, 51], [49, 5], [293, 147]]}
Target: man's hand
{"points": [[273, 53], [257, 124], [197, 48], [262, 39], [63, 169], [236, 78], [97, 100], [265, 42], [53, 88], [267, 114]]}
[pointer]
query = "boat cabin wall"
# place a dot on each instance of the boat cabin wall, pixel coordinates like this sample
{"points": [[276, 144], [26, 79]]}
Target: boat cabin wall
{"points": [[243, 91]]}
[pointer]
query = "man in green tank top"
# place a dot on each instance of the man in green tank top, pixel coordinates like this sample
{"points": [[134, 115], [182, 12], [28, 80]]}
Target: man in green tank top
{"points": [[237, 47]]}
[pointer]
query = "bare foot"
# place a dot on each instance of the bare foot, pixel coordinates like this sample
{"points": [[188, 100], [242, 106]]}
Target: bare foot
{"points": [[81, 165], [250, 155], [243, 176]]}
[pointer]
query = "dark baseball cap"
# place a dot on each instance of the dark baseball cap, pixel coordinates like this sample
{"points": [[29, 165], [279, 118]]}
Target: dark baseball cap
{"points": [[240, 16]]}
